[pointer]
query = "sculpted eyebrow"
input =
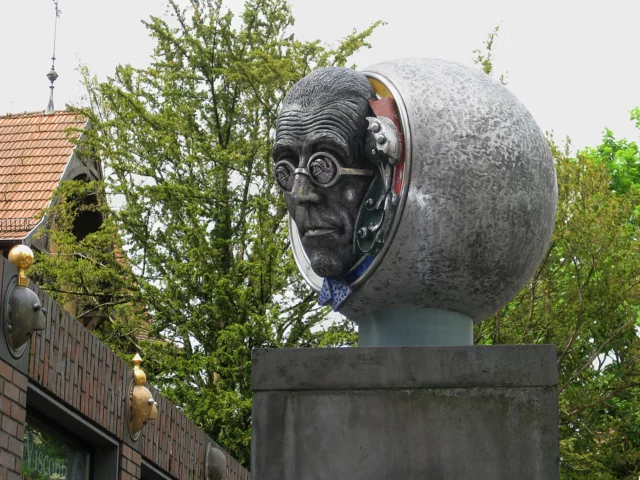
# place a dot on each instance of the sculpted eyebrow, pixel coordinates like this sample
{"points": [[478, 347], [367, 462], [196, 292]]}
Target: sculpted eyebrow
{"points": [[280, 149], [333, 143], [332, 147]]}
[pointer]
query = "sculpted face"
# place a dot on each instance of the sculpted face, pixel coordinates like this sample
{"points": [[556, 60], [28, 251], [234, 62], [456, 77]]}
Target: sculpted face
{"points": [[319, 164]]}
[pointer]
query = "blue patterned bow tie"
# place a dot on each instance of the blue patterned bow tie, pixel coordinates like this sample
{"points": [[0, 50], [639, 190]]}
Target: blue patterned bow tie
{"points": [[336, 291]]}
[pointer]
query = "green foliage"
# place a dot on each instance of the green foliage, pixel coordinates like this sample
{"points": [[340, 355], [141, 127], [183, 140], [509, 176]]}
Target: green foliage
{"points": [[86, 273], [187, 147], [47, 457], [585, 299], [484, 58], [621, 159], [635, 116]]}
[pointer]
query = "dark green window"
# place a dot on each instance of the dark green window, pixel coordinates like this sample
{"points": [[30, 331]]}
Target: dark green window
{"points": [[49, 454]]}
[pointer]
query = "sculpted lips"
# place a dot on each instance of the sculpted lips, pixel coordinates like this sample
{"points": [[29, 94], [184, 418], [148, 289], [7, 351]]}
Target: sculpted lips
{"points": [[319, 232], [314, 230]]}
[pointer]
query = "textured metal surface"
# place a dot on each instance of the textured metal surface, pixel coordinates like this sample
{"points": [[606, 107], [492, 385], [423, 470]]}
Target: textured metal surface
{"points": [[23, 316], [482, 195], [215, 463]]}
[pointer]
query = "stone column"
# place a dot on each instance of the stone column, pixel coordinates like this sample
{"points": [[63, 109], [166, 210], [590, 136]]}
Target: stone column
{"points": [[405, 413]]}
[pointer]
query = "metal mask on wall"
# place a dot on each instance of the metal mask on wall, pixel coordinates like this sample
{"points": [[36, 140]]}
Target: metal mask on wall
{"points": [[141, 407], [23, 314], [453, 182]]}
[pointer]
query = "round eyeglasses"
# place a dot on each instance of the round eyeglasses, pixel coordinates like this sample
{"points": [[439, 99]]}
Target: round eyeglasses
{"points": [[322, 169]]}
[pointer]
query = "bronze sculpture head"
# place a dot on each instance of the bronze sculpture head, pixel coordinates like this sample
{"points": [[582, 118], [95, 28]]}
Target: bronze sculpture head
{"points": [[460, 208], [319, 163]]}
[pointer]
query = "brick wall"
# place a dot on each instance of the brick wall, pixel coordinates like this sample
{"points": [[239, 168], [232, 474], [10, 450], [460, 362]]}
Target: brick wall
{"points": [[78, 370], [235, 471], [76, 367], [173, 442], [13, 404], [130, 463]]}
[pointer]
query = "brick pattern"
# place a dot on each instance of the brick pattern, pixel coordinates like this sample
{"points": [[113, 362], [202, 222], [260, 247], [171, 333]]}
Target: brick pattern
{"points": [[173, 442], [235, 471], [75, 367], [13, 403], [130, 463]]}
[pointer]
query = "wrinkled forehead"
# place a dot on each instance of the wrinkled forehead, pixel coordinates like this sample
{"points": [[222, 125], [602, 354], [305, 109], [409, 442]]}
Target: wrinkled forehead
{"points": [[299, 128]]}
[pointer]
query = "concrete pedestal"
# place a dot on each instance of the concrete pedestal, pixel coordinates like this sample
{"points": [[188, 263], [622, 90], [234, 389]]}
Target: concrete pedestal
{"points": [[405, 413]]}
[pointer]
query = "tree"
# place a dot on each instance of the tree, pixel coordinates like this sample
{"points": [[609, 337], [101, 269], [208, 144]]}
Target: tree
{"points": [[621, 158], [86, 271], [600, 414], [187, 147], [484, 58], [585, 299]]}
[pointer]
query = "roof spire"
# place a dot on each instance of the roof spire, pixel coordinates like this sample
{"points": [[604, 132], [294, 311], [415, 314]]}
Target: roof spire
{"points": [[53, 75]]}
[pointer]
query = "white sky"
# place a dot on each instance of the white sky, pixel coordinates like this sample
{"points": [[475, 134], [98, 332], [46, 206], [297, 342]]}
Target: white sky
{"points": [[574, 64]]}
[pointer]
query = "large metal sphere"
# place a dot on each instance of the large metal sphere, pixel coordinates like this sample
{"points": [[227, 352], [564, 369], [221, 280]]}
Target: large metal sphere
{"points": [[478, 212]]}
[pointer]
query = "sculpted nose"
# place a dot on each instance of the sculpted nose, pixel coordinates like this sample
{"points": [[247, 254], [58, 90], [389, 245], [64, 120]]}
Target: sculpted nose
{"points": [[304, 191]]}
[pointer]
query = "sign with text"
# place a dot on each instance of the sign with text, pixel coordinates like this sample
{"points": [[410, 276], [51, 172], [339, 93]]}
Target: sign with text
{"points": [[48, 457]]}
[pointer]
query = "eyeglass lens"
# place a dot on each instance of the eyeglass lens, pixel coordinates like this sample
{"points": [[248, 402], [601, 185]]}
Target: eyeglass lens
{"points": [[322, 170], [284, 176]]}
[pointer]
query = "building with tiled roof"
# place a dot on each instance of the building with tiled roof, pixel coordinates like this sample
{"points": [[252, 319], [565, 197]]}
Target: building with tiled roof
{"points": [[37, 151]]}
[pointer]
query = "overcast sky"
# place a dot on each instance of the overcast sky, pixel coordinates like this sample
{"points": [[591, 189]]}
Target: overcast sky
{"points": [[574, 64]]}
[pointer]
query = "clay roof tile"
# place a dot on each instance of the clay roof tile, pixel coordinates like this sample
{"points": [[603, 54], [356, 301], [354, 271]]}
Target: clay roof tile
{"points": [[34, 151]]}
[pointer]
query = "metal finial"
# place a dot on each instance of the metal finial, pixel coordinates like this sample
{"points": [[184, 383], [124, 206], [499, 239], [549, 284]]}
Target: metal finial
{"points": [[21, 257], [53, 75], [138, 375]]}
